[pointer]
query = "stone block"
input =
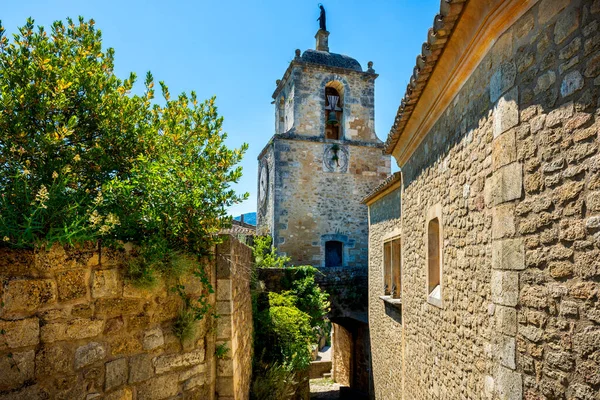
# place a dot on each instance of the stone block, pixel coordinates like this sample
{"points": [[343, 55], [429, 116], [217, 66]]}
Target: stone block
{"points": [[194, 382], [125, 344], [225, 367], [89, 354], [224, 329], [560, 114], [572, 229], [504, 185], [509, 384], [116, 307], [121, 394], [506, 112], [71, 284], [54, 359], [140, 368], [502, 80], [506, 320], [593, 201], [505, 348], [79, 328], [16, 369], [503, 221], [505, 287], [116, 373], [508, 254], [195, 370], [19, 333], [531, 333], [225, 307], [224, 386], [23, 296], [587, 341], [592, 67], [223, 289], [504, 149], [572, 82], [170, 362], [153, 338], [549, 8], [160, 387], [106, 283], [544, 82], [566, 24]]}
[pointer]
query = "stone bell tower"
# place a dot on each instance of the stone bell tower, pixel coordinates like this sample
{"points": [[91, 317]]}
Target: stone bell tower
{"points": [[323, 159]]}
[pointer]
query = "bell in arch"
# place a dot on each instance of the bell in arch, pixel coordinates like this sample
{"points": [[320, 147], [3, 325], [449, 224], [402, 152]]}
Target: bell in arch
{"points": [[332, 120]]}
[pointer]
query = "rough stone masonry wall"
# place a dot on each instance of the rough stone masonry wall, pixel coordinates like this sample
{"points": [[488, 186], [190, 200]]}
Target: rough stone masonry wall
{"points": [[234, 305], [72, 328], [385, 323], [514, 164]]}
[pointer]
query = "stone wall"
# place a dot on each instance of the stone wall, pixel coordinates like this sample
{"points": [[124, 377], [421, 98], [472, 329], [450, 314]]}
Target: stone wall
{"points": [[514, 164], [234, 305], [72, 327], [384, 318]]}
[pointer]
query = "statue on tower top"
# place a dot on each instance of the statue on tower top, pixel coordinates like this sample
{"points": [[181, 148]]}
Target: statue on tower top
{"points": [[322, 19]]}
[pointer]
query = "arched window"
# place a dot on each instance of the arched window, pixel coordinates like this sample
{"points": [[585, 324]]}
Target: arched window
{"points": [[333, 110], [333, 253]]}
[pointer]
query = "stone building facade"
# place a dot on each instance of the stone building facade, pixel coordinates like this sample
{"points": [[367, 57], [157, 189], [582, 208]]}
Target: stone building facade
{"points": [[484, 271], [315, 170]]}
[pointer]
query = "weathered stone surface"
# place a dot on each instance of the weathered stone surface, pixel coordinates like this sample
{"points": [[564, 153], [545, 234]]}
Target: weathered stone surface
{"points": [[16, 368], [505, 351], [158, 388], [572, 82], [502, 80], [566, 24], [121, 394], [506, 184], [508, 254], [89, 354], [506, 112], [593, 201], [504, 149], [544, 82], [509, 384], [173, 361], [116, 373], [106, 283], [592, 67], [503, 221], [79, 328], [505, 287], [53, 359], [19, 333], [124, 344], [587, 341], [140, 368], [194, 382], [549, 8], [118, 306], [153, 338], [71, 284], [29, 295], [572, 229], [558, 115]]}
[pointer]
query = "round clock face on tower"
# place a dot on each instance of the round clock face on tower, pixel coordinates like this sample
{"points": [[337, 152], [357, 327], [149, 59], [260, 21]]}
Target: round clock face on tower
{"points": [[263, 185]]}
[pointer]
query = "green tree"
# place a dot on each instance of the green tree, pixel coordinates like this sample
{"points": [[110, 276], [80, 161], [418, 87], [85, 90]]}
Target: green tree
{"points": [[83, 159]]}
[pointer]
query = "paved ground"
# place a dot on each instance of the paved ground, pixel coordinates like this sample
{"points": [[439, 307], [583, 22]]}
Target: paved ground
{"points": [[324, 389]]}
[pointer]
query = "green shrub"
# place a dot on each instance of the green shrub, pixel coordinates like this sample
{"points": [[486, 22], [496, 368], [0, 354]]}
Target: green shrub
{"points": [[265, 254], [273, 382], [83, 159]]}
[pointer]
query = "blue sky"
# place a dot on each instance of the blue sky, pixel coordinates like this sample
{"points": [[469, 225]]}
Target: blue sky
{"points": [[236, 49]]}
